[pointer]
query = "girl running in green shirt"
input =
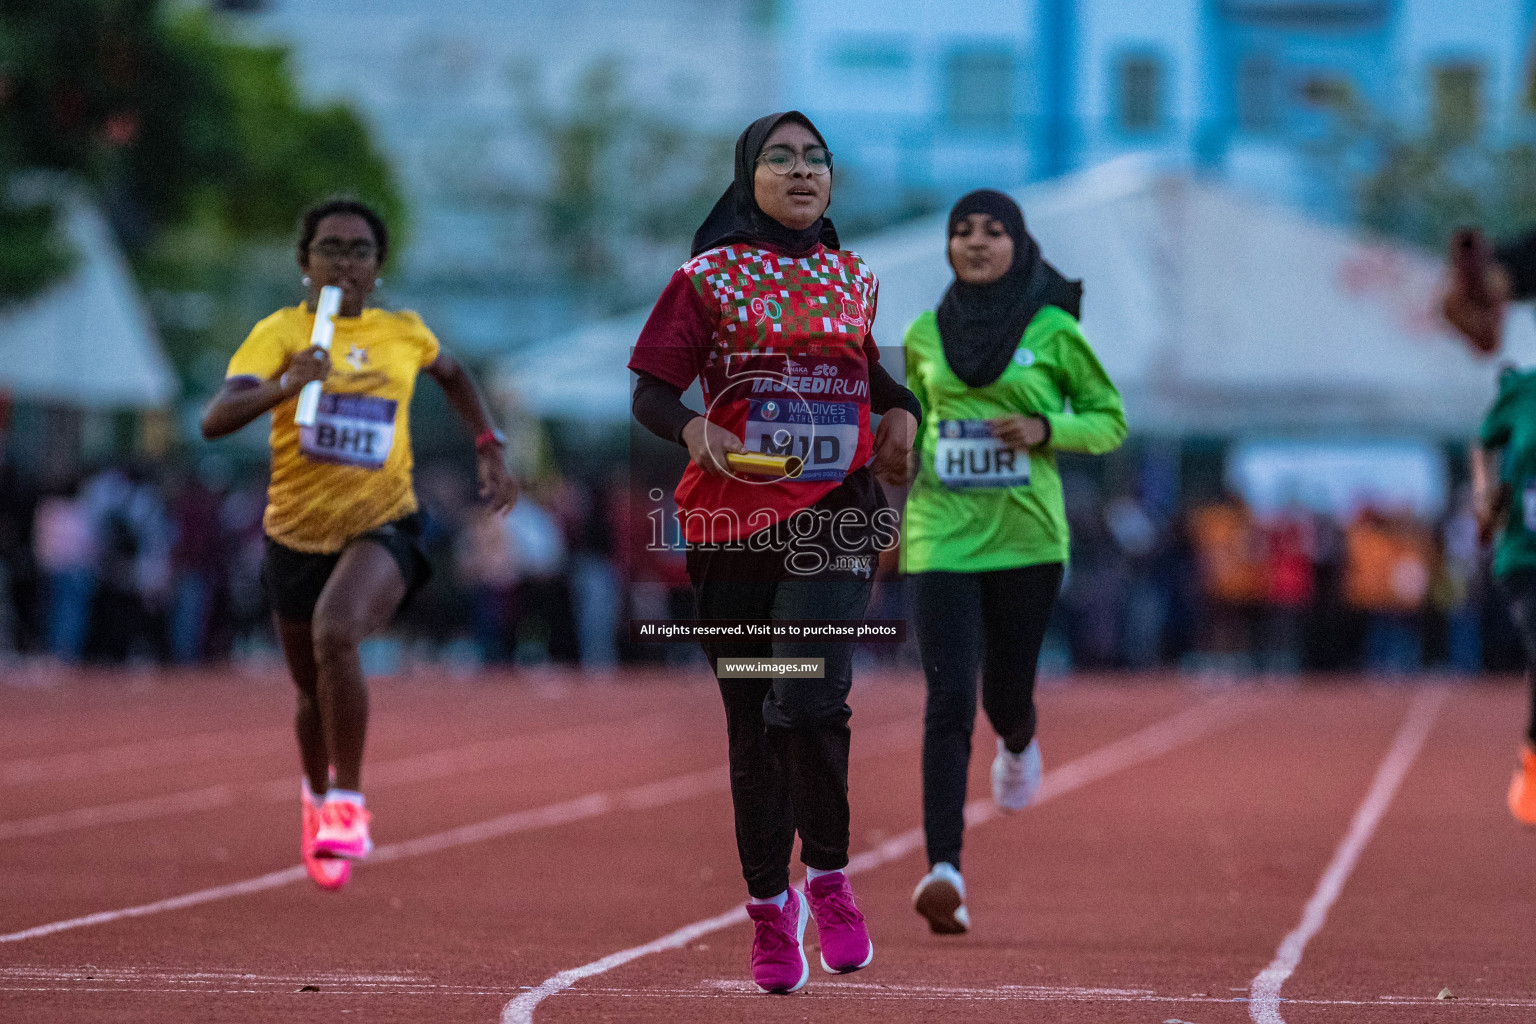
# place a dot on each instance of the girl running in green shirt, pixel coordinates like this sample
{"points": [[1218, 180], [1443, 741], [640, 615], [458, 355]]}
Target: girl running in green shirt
{"points": [[1005, 379], [1483, 280], [1504, 492]]}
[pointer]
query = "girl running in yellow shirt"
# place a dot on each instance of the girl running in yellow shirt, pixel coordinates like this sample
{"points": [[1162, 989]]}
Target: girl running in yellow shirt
{"points": [[343, 532]]}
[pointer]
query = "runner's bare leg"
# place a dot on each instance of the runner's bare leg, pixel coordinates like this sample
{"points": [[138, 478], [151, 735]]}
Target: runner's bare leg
{"points": [[299, 651], [360, 598]]}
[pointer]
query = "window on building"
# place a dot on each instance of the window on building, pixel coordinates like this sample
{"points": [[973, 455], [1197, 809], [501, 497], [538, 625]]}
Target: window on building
{"points": [[1458, 101], [980, 89], [874, 55], [1257, 94], [1327, 91], [1141, 93], [1307, 14]]}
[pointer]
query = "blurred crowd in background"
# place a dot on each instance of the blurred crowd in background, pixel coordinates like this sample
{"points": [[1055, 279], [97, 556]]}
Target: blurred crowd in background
{"points": [[1217, 588], [159, 563]]}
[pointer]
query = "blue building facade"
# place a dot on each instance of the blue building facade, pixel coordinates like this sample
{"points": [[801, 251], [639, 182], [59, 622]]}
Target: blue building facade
{"points": [[920, 100], [924, 99]]}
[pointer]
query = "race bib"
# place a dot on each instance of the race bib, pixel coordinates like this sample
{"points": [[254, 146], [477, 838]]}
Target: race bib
{"points": [[352, 430], [967, 455], [823, 434]]}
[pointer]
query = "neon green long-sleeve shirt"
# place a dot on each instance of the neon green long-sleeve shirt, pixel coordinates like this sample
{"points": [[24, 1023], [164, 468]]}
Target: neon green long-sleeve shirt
{"points": [[973, 522]]}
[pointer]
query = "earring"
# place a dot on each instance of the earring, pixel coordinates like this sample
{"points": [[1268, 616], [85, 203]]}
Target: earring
{"points": [[378, 282], [305, 280]]}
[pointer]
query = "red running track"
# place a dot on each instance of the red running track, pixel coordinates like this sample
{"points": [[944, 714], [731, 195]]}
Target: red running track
{"points": [[559, 850]]}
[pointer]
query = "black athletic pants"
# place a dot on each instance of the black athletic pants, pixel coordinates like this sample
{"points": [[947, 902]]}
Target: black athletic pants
{"points": [[1519, 589], [994, 621], [788, 738]]}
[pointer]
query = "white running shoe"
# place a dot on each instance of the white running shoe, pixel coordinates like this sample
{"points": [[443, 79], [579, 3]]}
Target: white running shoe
{"points": [[1016, 777], [940, 897]]}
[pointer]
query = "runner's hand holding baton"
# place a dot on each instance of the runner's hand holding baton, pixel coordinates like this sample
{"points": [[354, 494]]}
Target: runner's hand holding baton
{"points": [[710, 445], [328, 305]]}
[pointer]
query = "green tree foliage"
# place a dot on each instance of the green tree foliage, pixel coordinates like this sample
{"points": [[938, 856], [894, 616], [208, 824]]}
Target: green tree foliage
{"points": [[175, 128], [614, 176], [1421, 185], [1425, 189], [287, 154], [31, 252], [621, 187]]}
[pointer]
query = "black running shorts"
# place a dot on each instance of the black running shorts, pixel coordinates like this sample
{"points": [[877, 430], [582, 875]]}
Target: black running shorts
{"points": [[293, 579]]}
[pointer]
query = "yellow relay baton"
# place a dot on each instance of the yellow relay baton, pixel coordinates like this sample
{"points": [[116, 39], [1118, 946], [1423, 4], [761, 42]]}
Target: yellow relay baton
{"points": [[785, 467]]}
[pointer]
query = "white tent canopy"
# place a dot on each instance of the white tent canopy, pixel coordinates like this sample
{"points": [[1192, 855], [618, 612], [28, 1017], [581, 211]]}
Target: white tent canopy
{"points": [[87, 341], [1213, 312], [580, 375]]}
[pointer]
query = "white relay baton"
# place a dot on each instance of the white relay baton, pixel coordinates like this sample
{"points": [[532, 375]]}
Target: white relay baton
{"points": [[328, 306]]}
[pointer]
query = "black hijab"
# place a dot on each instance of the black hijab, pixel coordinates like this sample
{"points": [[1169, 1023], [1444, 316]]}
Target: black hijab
{"points": [[737, 219], [980, 324]]}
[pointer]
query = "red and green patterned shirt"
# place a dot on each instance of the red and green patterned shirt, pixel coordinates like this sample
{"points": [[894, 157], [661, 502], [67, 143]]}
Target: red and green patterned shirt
{"points": [[781, 346]]}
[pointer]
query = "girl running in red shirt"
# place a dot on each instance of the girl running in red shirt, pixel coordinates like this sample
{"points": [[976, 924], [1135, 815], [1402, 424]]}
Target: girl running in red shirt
{"points": [[773, 318]]}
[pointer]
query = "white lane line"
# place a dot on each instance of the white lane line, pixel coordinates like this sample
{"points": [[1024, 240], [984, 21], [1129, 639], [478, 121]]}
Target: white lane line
{"points": [[401, 771], [722, 988], [520, 1009], [45, 973], [261, 883], [172, 750], [320, 992], [114, 814], [411, 770], [649, 795], [1264, 1007], [76, 980], [1158, 738], [613, 735], [1155, 739]]}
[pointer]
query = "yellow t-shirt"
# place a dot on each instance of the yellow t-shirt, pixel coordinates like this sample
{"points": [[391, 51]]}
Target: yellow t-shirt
{"points": [[351, 471]]}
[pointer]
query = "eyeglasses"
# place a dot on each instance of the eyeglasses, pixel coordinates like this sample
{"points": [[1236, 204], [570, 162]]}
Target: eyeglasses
{"points": [[337, 249], [782, 159]]}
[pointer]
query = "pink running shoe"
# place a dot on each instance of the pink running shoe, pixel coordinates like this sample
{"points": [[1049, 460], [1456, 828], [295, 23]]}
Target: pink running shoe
{"points": [[845, 945], [343, 830], [327, 872], [778, 944]]}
